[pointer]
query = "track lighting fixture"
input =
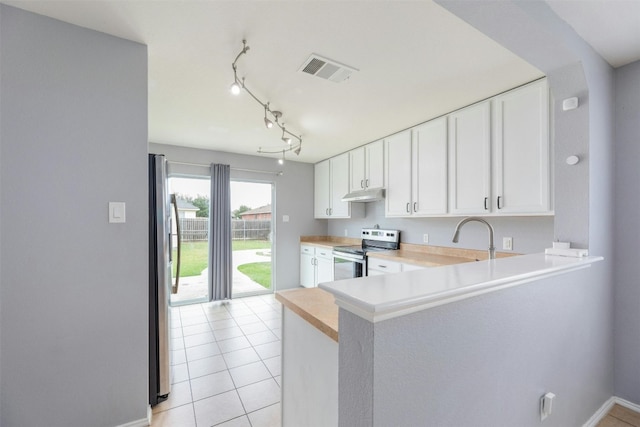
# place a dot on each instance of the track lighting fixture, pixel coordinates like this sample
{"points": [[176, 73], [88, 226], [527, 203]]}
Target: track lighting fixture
{"points": [[268, 123], [287, 136]]}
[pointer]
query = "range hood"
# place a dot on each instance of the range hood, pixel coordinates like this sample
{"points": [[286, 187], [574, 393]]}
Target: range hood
{"points": [[364, 196]]}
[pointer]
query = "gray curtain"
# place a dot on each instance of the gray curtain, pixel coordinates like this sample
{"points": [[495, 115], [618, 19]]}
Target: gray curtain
{"points": [[220, 262]]}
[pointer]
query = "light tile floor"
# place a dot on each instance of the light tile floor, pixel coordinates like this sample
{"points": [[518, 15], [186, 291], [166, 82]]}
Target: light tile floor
{"points": [[226, 365]]}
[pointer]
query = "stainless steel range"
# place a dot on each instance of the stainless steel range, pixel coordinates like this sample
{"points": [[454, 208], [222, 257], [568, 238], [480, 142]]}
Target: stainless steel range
{"points": [[351, 261]]}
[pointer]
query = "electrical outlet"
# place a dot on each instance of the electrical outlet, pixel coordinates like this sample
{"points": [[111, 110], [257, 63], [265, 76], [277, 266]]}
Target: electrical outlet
{"points": [[507, 243], [346, 232], [425, 238]]}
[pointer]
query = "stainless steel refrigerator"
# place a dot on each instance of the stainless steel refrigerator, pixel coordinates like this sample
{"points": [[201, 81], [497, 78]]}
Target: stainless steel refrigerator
{"points": [[159, 281]]}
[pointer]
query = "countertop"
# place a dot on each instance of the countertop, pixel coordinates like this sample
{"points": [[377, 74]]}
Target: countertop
{"points": [[423, 255], [378, 298], [419, 258], [314, 305]]}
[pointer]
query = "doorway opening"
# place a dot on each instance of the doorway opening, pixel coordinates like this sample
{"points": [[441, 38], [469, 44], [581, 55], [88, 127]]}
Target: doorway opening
{"points": [[252, 237], [192, 200]]}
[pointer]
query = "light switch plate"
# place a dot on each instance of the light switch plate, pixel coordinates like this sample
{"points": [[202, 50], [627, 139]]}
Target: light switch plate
{"points": [[117, 212]]}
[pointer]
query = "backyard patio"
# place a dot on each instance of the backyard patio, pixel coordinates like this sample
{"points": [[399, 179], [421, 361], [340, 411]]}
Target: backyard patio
{"points": [[194, 287]]}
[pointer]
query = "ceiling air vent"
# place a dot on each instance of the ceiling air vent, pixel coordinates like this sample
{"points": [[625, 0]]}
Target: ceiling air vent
{"points": [[326, 69]]}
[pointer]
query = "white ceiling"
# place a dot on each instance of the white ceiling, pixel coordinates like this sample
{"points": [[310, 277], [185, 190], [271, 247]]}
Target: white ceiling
{"points": [[611, 27], [416, 61]]}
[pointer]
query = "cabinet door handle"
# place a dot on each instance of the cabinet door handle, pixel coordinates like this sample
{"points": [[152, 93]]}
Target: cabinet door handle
{"points": [[408, 207], [330, 211], [366, 183], [415, 206], [382, 266], [485, 203], [362, 183], [499, 207]]}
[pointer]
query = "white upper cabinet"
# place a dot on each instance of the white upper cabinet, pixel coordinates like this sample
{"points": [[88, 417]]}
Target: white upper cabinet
{"points": [[429, 168], [330, 186], [491, 158], [499, 158], [367, 167], [339, 186], [469, 160], [397, 160], [521, 150], [416, 171], [322, 187]]}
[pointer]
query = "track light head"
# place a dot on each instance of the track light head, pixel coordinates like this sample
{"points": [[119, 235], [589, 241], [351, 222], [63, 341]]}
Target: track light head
{"points": [[285, 138], [297, 150], [235, 88], [268, 123]]}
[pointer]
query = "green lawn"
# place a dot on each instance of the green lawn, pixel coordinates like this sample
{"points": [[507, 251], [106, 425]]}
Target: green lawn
{"points": [[241, 245], [195, 256], [259, 272]]}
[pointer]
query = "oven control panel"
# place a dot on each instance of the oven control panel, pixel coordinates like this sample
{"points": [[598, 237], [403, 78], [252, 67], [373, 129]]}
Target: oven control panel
{"points": [[381, 235]]}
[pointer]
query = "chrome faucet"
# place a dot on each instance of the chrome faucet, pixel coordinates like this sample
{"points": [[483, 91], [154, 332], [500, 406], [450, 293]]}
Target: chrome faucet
{"points": [[456, 234]]}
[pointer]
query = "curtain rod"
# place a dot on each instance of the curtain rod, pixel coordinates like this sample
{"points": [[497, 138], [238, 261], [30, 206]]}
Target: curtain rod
{"points": [[278, 173]]}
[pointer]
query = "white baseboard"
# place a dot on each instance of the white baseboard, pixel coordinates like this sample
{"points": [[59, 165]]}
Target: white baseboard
{"points": [[606, 407], [142, 422]]}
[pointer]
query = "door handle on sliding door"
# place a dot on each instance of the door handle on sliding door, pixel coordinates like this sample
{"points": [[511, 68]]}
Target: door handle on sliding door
{"points": [[174, 287]]}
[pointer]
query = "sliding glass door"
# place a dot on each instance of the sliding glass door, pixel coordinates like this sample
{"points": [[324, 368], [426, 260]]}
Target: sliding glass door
{"points": [[191, 229], [252, 239]]}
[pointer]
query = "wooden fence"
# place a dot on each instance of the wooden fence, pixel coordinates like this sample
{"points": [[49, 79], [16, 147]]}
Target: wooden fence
{"points": [[196, 229]]}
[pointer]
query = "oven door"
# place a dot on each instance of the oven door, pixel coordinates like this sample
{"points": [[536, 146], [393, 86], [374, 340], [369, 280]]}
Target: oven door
{"points": [[347, 267]]}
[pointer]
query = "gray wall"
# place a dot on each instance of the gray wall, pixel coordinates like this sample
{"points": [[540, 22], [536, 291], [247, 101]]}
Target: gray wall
{"points": [[73, 288], [627, 232], [484, 361], [530, 234], [495, 355], [294, 197]]}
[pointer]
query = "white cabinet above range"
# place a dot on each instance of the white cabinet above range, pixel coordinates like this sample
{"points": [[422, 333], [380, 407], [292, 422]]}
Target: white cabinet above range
{"points": [[367, 167], [331, 185]]}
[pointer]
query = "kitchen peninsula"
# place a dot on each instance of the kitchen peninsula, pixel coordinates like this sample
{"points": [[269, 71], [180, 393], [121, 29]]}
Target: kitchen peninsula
{"points": [[396, 332]]}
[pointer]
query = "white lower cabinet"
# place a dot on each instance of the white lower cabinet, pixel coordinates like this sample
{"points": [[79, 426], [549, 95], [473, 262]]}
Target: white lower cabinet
{"points": [[378, 266], [316, 266], [412, 267]]}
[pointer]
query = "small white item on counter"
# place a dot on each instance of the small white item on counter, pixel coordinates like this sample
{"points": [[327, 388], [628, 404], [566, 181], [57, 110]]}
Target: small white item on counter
{"points": [[561, 245], [575, 253]]}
